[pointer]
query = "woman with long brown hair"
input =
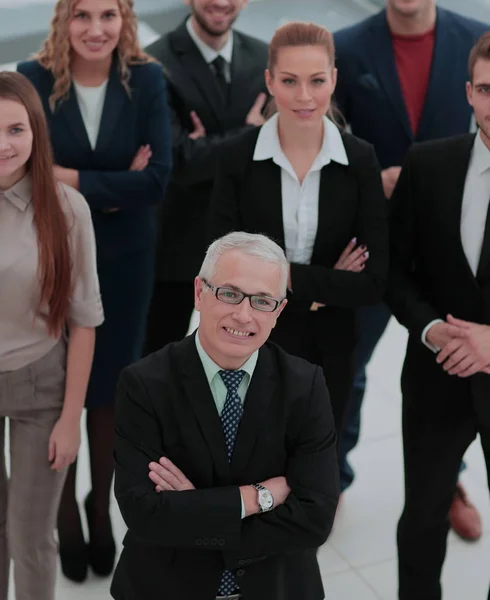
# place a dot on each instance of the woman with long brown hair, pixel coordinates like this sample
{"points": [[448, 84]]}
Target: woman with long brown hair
{"points": [[105, 102], [317, 191], [49, 307]]}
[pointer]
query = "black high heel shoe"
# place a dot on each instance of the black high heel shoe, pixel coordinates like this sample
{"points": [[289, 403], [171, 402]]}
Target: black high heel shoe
{"points": [[73, 554], [102, 547]]}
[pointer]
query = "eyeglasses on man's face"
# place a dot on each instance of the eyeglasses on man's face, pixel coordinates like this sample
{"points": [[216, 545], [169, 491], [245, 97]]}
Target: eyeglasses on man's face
{"points": [[233, 296]]}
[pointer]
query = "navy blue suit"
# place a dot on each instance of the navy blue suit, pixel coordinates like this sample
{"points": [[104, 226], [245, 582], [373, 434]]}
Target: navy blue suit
{"points": [[369, 93], [125, 238], [370, 97]]}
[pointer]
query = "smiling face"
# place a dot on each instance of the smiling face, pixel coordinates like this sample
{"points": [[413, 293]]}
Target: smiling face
{"points": [[15, 142], [302, 84], [231, 333], [215, 17], [95, 29]]}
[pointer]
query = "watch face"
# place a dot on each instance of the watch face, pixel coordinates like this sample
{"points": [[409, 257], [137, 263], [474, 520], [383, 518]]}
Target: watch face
{"points": [[266, 500]]}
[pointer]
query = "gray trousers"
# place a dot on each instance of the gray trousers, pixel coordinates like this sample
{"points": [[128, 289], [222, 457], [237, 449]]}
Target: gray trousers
{"points": [[31, 398]]}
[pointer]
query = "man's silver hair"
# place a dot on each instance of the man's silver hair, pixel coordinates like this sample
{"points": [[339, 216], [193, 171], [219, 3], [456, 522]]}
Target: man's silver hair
{"points": [[251, 244]]}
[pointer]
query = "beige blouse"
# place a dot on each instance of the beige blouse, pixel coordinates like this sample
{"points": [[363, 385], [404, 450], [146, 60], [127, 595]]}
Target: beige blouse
{"points": [[24, 336]]}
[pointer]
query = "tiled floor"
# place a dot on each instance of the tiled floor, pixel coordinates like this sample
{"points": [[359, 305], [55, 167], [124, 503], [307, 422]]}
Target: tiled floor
{"points": [[359, 561]]}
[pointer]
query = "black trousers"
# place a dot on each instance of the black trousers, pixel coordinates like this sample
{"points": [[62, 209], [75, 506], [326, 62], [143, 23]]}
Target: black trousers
{"points": [[434, 442], [170, 312]]}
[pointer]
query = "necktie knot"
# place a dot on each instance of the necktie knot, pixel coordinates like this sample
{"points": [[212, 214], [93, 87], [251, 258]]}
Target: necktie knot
{"points": [[232, 380], [219, 65]]}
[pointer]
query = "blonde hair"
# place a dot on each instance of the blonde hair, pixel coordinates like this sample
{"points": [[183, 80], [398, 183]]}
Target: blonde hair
{"points": [[55, 52], [296, 34]]}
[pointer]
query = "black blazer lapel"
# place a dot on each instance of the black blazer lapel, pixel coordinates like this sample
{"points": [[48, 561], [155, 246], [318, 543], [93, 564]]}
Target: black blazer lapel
{"points": [[243, 67], [266, 176], [194, 66], [202, 402], [115, 100], [442, 71], [483, 272], [333, 204], [260, 391], [383, 60], [452, 202], [70, 111]]}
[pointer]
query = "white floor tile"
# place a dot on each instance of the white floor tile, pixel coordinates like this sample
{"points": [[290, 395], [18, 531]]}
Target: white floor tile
{"points": [[347, 586], [382, 578], [381, 415], [330, 561]]}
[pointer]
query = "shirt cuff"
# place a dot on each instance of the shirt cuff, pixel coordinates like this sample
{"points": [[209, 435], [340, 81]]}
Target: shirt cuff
{"points": [[434, 349], [243, 506]]}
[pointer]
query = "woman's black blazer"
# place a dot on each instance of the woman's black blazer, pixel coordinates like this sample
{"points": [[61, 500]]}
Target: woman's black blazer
{"points": [[247, 197]]}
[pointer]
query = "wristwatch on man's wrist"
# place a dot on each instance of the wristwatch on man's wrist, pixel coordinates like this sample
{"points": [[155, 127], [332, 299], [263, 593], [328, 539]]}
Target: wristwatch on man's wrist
{"points": [[264, 498]]}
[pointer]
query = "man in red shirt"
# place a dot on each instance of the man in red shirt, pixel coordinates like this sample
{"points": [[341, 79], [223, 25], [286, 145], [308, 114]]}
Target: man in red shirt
{"points": [[401, 79]]}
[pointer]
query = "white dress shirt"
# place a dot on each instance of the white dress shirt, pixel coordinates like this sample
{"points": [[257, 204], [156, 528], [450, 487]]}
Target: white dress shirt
{"points": [[91, 103], [300, 200], [210, 54], [474, 209]]}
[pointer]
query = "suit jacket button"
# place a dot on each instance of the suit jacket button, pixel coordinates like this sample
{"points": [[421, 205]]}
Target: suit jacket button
{"points": [[240, 573], [205, 541], [221, 542], [198, 542], [214, 542], [242, 562]]}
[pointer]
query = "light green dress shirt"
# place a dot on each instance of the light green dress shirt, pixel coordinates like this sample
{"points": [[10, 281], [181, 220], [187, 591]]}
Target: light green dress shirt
{"points": [[217, 385], [218, 388]]}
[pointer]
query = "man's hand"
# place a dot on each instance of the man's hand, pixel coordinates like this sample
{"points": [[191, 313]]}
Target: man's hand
{"points": [[390, 177], [469, 350], [199, 130], [254, 116], [167, 477], [277, 486], [441, 334]]}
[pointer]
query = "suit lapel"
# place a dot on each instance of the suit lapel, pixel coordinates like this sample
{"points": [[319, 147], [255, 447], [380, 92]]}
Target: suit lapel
{"points": [[260, 392], [195, 67], [441, 73], [332, 205], [267, 177], [483, 271], [70, 111], [201, 400], [243, 66], [115, 100], [452, 194], [383, 60]]}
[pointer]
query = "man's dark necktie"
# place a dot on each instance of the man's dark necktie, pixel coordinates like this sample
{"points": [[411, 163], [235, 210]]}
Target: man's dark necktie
{"points": [[219, 67], [230, 420]]}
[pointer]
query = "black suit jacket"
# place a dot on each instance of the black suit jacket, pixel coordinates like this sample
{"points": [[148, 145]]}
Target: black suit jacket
{"points": [[179, 543], [369, 93], [192, 86], [247, 196], [430, 276]]}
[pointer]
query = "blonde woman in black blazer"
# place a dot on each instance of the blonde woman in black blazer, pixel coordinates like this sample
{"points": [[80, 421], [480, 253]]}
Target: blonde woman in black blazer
{"points": [[318, 193]]}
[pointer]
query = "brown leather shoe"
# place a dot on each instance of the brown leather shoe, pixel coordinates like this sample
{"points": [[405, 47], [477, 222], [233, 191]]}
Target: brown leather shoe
{"points": [[464, 517]]}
